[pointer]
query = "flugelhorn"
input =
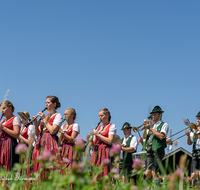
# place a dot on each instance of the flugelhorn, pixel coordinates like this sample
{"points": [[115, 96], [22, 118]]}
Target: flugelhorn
{"points": [[34, 118]]}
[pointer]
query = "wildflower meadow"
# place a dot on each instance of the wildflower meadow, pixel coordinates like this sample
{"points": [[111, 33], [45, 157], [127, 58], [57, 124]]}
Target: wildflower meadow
{"points": [[54, 173]]}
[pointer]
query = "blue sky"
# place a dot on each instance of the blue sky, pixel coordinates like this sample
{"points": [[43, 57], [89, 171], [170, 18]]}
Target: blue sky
{"points": [[126, 56]]}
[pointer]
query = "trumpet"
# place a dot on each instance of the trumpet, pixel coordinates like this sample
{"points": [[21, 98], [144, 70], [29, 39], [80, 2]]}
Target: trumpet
{"points": [[34, 118], [136, 129]]}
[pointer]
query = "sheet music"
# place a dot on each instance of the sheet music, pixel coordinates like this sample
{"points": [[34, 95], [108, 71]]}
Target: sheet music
{"points": [[186, 121]]}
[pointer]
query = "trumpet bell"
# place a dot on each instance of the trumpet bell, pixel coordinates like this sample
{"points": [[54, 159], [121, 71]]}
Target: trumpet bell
{"points": [[135, 129]]}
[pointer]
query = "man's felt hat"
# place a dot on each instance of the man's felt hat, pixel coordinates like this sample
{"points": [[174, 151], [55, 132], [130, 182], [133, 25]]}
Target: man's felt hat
{"points": [[198, 115], [157, 109], [126, 126]]}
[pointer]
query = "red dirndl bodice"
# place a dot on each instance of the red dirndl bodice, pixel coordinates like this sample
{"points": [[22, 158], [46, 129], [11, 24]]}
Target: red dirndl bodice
{"points": [[101, 151], [67, 147], [7, 146], [25, 133], [45, 142]]}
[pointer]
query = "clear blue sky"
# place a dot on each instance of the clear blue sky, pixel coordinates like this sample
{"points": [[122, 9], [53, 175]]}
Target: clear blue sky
{"points": [[122, 55]]}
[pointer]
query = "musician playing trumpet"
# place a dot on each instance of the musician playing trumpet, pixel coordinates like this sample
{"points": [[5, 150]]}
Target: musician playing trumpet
{"points": [[129, 146], [155, 143], [194, 138]]}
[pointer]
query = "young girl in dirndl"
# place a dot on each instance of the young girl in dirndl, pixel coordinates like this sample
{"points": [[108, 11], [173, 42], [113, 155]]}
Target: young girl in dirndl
{"points": [[103, 140], [10, 130], [68, 133]]}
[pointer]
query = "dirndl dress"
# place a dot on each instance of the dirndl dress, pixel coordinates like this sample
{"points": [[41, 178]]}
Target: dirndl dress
{"points": [[24, 134], [67, 147], [7, 146], [45, 142], [101, 151]]}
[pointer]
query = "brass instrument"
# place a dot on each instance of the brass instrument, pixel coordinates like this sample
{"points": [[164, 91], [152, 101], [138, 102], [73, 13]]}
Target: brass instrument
{"points": [[179, 131], [136, 129], [193, 128]]}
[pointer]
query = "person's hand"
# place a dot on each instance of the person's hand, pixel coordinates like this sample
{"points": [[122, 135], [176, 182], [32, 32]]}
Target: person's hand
{"points": [[146, 124], [40, 114], [95, 132], [170, 143], [88, 137], [46, 119], [140, 140], [20, 140], [187, 132], [123, 146], [1, 127]]}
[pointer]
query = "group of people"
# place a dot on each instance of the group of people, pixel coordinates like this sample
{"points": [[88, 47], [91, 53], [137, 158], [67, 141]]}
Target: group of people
{"points": [[154, 142], [42, 135], [16, 130]]}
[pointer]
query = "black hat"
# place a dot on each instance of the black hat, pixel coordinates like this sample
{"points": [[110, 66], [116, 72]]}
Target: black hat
{"points": [[157, 109], [150, 116], [126, 126], [198, 115]]}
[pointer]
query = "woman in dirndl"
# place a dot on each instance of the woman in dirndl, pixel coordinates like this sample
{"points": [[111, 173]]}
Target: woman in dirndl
{"points": [[47, 131], [10, 130], [27, 134], [68, 133], [102, 140], [26, 137]]}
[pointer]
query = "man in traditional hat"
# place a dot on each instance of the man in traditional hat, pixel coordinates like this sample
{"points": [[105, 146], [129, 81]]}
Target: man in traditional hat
{"points": [[155, 143], [129, 146], [194, 138]]}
